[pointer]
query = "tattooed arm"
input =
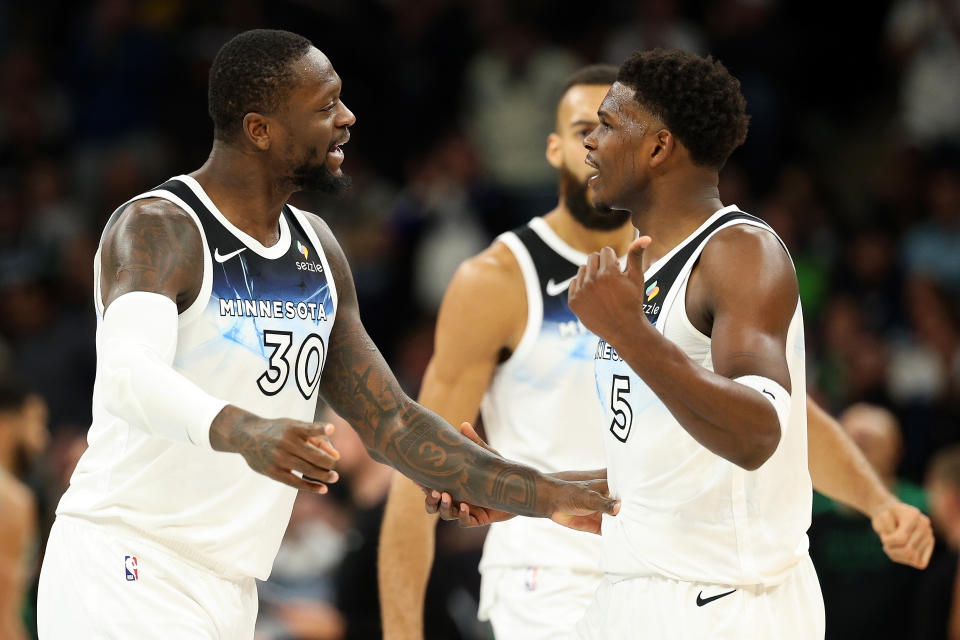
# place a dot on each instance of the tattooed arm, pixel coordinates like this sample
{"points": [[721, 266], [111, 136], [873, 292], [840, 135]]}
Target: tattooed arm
{"points": [[359, 386], [152, 270]]}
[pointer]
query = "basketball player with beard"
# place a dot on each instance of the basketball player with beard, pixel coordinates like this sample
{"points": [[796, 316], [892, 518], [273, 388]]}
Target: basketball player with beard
{"points": [[525, 363], [219, 306]]}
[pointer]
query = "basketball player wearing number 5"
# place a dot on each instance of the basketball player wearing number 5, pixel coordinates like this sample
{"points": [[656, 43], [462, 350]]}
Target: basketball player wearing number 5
{"points": [[223, 313], [700, 368]]}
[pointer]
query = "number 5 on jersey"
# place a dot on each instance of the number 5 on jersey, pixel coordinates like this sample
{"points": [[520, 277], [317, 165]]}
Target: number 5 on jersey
{"points": [[306, 373], [622, 412]]}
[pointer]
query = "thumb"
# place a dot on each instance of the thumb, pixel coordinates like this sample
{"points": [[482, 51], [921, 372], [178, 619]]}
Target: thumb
{"points": [[634, 267]]}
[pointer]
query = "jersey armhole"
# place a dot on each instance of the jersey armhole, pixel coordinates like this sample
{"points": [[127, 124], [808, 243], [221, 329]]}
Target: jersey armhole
{"points": [[674, 297], [206, 286], [301, 217], [534, 298]]}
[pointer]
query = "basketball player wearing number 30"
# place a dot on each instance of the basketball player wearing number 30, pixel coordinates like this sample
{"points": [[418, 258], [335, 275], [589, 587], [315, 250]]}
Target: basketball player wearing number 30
{"points": [[700, 368], [219, 307]]}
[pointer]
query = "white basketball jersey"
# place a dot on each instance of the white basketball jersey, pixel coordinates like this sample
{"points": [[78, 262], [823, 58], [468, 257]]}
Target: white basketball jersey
{"points": [[256, 337], [687, 513], [540, 408]]}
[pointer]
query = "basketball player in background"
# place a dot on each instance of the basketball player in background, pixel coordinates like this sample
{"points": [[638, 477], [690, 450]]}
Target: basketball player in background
{"points": [[539, 405], [23, 436], [219, 306]]}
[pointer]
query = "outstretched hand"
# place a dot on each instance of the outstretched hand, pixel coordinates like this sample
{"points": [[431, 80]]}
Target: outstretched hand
{"points": [[905, 532], [467, 515], [603, 296], [576, 513]]}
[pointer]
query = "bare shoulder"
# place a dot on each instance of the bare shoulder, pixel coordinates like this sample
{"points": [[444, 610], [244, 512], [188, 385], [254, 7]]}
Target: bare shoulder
{"points": [[494, 267], [154, 246], [485, 304], [752, 254]]}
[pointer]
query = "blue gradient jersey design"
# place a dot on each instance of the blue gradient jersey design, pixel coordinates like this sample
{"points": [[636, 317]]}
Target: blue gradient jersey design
{"points": [[540, 407], [686, 513], [256, 337]]}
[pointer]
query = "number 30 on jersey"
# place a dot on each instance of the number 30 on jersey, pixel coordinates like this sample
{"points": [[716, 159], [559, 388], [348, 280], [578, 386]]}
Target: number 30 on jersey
{"points": [[307, 366]]}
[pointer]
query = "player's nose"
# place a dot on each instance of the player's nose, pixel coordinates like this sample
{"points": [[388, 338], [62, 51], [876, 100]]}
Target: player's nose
{"points": [[346, 119]]}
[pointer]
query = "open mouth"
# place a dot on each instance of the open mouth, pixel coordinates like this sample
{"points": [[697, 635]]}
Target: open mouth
{"points": [[336, 149]]}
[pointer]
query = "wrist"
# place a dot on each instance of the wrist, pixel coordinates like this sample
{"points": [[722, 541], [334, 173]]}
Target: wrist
{"points": [[225, 425], [881, 500], [550, 495]]}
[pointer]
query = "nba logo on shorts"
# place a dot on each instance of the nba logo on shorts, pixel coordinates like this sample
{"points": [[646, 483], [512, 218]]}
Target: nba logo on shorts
{"points": [[130, 564]]}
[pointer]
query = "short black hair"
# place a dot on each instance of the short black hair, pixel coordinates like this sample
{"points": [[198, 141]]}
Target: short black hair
{"points": [[251, 73], [696, 97], [593, 74]]}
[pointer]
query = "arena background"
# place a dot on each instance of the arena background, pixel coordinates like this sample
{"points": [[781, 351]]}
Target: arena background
{"points": [[852, 156]]}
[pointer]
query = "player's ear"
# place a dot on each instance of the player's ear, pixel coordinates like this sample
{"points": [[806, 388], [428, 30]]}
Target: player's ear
{"points": [[554, 153], [663, 145], [256, 129]]}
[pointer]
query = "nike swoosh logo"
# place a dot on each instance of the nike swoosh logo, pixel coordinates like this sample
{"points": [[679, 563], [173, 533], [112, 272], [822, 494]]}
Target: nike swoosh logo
{"points": [[219, 257], [702, 601], [769, 394], [556, 288]]}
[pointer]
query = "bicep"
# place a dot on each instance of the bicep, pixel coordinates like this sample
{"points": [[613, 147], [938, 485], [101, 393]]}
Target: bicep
{"points": [[753, 296], [153, 247], [467, 345]]}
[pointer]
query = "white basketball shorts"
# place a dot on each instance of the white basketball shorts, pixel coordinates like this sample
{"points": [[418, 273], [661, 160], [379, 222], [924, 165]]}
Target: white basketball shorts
{"points": [[535, 603], [656, 607], [100, 582]]}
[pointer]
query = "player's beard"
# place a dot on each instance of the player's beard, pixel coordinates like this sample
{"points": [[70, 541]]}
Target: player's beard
{"points": [[313, 175], [574, 193]]}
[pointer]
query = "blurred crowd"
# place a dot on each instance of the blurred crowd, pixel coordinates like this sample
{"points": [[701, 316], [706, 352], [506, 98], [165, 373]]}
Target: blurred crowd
{"points": [[853, 156]]}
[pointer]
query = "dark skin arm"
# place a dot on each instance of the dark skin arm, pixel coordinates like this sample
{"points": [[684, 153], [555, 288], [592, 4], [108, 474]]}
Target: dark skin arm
{"points": [[358, 384], [748, 326], [155, 247]]}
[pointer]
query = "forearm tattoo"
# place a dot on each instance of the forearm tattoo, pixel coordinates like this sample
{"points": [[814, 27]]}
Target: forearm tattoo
{"points": [[359, 385]]}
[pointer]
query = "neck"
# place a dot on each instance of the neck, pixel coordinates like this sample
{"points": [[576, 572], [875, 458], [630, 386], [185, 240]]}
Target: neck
{"points": [[674, 209], [584, 239], [246, 195]]}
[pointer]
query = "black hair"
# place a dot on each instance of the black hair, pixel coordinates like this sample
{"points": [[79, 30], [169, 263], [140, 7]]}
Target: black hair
{"points": [[591, 74], [251, 73], [696, 97]]}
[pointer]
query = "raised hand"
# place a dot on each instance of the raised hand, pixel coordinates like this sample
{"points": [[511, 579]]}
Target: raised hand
{"points": [[296, 453], [905, 532], [605, 298]]}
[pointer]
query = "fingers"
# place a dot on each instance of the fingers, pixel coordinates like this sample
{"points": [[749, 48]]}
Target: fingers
{"points": [[591, 501], [318, 435], [305, 468], [906, 535], [311, 444], [288, 477], [634, 267], [904, 530], [576, 284], [608, 260], [432, 501]]}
